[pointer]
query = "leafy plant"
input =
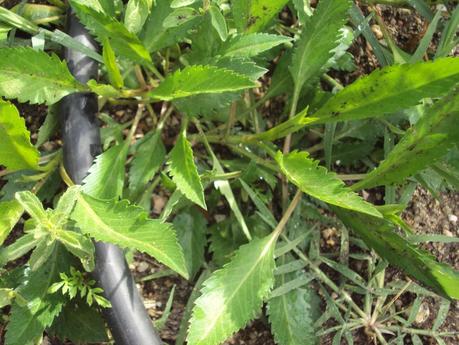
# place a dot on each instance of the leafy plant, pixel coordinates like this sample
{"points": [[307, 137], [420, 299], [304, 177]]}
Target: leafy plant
{"points": [[207, 134]]}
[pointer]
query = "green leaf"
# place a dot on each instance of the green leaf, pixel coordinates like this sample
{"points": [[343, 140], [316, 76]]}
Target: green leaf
{"points": [[17, 249], [128, 226], [148, 159], [254, 15], [104, 27], [448, 38], [233, 295], [427, 141], [316, 181], [10, 213], [29, 320], [155, 37], [184, 172], [106, 175], [292, 315], [32, 205], [218, 22], [34, 76], [315, 46], [191, 228], [136, 14], [16, 151], [181, 3], [80, 323], [388, 90], [80, 246], [383, 237], [103, 90], [113, 70], [251, 45], [49, 127], [194, 80], [41, 253], [179, 17]]}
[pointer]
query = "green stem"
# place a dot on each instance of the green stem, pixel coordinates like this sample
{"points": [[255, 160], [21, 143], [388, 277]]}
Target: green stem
{"points": [[327, 281]]}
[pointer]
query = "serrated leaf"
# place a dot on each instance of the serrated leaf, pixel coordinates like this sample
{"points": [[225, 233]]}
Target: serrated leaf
{"points": [[148, 159], [10, 213], [383, 237], [16, 151], [388, 90], [155, 37], [184, 172], [254, 15], [318, 38], [136, 14], [194, 80], [29, 320], [233, 295], [240, 65], [113, 70], [316, 181], [292, 315], [191, 227], [124, 42], [251, 45], [34, 76], [423, 144], [128, 226], [106, 175]]}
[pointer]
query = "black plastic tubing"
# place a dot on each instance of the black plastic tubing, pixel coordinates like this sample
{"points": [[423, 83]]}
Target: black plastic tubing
{"points": [[128, 320]]}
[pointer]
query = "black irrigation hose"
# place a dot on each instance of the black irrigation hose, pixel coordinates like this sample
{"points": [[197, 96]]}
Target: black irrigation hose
{"points": [[128, 320]]}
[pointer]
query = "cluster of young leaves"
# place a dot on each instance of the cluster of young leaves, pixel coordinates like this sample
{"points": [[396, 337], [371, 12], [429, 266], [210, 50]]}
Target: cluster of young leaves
{"points": [[211, 57]]}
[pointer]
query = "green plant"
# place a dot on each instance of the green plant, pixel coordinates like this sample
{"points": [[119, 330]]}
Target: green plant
{"points": [[233, 167]]}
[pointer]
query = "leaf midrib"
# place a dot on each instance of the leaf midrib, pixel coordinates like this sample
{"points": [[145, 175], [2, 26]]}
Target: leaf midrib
{"points": [[241, 282], [90, 212]]}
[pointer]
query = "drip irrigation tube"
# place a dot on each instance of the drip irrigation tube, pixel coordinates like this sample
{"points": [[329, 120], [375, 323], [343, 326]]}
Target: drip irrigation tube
{"points": [[128, 320]]}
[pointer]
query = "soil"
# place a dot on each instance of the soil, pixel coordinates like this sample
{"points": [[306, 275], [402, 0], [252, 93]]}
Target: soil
{"points": [[425, 214]]}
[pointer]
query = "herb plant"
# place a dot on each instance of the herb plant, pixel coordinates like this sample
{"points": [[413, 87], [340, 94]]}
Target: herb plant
{"points": [[248, 185]]}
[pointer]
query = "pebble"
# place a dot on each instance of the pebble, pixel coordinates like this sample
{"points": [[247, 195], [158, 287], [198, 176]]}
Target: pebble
{"points": [[448, 233], [452, 218], [142, 267], [377, 31]]}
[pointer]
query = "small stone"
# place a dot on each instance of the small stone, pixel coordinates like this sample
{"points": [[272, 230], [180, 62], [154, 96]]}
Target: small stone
{"points": [[448, 233], [377, 31], [452, 218], [142, 267], [423, 313]]}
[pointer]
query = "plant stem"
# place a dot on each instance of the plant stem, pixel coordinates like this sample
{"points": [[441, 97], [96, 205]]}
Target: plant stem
{"points": [[135, 123], [326, 280], [288, 213]]}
